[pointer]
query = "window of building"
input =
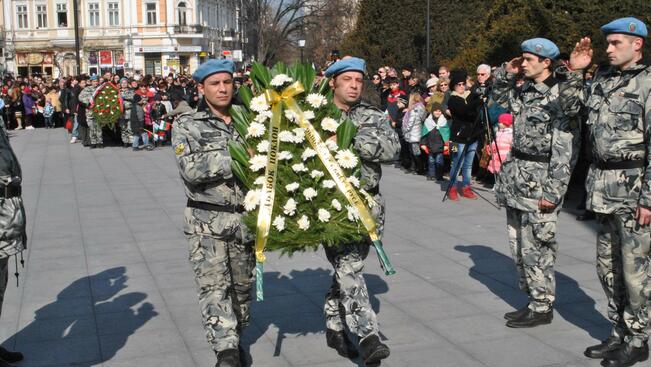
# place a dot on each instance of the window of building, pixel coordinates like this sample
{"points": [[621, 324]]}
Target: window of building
{"points": [[21, 13], [41, 16], [114, 14], [62, 15], [93, 14], [182, 8], [151, 13]]}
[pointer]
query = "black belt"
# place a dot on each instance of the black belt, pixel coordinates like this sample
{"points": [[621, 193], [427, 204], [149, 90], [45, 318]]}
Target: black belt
{"points": [[10, 191], [613, 165], [530, 157], [373, 191], [215, 207]]}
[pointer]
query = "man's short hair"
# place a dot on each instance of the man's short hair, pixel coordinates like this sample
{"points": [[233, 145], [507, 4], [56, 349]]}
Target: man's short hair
{"points": [[485, 67]]}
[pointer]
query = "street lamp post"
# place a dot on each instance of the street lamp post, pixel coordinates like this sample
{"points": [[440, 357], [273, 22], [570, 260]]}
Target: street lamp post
{"points": [[301, 45], [428, 40], [75, 18]]}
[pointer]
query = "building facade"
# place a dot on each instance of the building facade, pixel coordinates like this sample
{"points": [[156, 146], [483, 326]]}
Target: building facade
{"points": [[138, 36]]}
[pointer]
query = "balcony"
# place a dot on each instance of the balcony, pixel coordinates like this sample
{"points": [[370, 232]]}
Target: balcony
{"points": [[188, 29]]}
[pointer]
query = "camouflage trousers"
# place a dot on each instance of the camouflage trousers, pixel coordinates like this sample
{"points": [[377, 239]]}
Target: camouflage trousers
{"points": [[623, 269], [223, 268], [532, 238], [347, 302], [94, 132], [125, 131]]}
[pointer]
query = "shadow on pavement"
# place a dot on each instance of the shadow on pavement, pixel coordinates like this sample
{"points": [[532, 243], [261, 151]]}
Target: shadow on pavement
{"points": [[580, 311], [301, 318], [61, 323]]}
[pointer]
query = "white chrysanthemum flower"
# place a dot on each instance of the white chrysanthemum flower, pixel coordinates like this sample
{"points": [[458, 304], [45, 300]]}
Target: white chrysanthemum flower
{"points": [[299, 167], [290, 207], [324, 215], [259, 181], [291, 187], [263, 146], [308, 153], [286, 136], [309, 194], [315, 174], [332, 145], [291, 116], [303, 223], [353, 181], [299, 135], [259, 104], [263, 116], [280, 79], [252, 200], [346, 159], [353, 214], [328, 184], [255, 130], [279, 223], [258, 162], [308, 115], [336, 204], [329, 124], [285, 156], [316, 100]]}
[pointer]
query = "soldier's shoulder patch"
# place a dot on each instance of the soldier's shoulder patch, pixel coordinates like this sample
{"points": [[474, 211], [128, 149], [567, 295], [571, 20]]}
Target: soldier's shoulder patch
{"points": [[179, 148]]}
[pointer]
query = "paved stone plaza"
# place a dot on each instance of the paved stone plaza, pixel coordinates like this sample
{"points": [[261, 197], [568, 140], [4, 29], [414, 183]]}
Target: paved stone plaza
{"points": [[107, 281]]}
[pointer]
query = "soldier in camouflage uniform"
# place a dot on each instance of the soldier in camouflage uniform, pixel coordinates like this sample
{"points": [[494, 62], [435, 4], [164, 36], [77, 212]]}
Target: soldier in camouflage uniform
{"points": [[221, 249], [13, 237], [94, 130], [618, 105], [347, 302], [127, 99], [534, 179]]}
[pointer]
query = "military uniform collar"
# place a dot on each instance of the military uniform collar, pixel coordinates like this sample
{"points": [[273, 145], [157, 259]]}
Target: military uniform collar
{"points": [[203, 112], [542, 87], [635, 68]]}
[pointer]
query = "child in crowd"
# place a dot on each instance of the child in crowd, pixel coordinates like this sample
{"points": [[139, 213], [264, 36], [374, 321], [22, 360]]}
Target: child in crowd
{"points": [[48, 112], [434, 135], [504, 138], [137, 120]]}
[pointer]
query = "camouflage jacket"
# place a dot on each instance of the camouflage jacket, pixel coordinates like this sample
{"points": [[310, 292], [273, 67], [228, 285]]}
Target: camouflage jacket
{"points": [[127, 100], [13, 235], [86, 97], [541, 128], [376, 142], [200, 143], [618, 105]]}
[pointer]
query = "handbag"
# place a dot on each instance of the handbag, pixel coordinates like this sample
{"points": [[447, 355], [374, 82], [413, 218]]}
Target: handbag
{"points": [[69, 125]]}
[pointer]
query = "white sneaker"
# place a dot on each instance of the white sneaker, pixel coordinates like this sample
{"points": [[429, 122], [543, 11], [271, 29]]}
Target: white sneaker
{"points": [[29, 128], [73, 140], [19, 128]]}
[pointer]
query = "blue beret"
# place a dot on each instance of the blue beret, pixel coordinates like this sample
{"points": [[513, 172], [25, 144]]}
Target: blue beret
{"points": [[541, 47], [628, 25], [346, 64], [213, 66], [94, 77]]}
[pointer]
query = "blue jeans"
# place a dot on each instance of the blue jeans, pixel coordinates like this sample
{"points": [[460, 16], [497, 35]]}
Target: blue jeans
{"points": [[435, 165], [75, 128], [465, 161], [137, 137]]}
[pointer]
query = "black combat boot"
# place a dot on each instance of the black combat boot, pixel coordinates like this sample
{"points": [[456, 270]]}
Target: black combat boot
{"points": [[338, 341], [627, 356], [531, 319], [514, 315], [228, 358], [605, 349], [373, 351], [11, 357]]}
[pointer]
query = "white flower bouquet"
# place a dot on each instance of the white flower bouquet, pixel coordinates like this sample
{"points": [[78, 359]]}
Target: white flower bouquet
{"points": [[299, 166]]}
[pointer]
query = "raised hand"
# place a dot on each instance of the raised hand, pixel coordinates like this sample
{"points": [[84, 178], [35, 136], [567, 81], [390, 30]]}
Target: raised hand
{"points": [[514, 65], [581, 56]]}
